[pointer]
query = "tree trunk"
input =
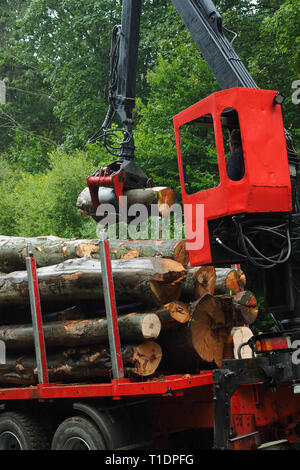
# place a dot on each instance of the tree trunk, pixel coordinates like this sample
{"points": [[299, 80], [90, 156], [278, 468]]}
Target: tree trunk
{"points": [[162, 197], [227, 281], [200, 343], [84, 363], [52, 250], [132, 327], [199, 281], [155, 281]]}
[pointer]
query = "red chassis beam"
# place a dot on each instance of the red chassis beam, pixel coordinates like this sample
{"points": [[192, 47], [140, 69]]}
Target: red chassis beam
{"points": [[115, 389], [271, 413]]}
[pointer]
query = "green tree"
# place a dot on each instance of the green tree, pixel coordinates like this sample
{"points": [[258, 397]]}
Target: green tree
{"points": [[178, 81]]}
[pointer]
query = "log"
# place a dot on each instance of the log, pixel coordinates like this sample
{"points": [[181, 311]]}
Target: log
{"points": [[227, 281], [245, 304], [173, 314], [242, 279], [132, 327], [241, 306], [171, 249], [141, 360], [53, 250], [161, 196], [199, 281], [87, 309], [155, 281], [63, 311], [198, 344]]}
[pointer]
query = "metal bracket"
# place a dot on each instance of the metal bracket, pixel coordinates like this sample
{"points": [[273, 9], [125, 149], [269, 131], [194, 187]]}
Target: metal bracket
{"points": [[110, 307], [37, 322], [271, 370]]}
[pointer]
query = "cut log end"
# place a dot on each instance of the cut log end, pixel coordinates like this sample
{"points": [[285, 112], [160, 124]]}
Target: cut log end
{"points": [[206, 281], [227, 281], [245, 302], [146, 358], [181, 254], [178, 311], [240, 336], [151, 326], [208, 331], [232, 282]]}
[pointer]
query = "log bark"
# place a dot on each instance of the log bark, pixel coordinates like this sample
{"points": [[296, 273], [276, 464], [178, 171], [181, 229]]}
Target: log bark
{"points": [[199, 281], [132, 327], [161, 196], [52, 250], [227, 281], [171, 249], [155, 281], [84, 363], [200, 343]]}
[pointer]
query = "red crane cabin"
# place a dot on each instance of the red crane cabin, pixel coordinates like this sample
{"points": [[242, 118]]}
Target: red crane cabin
{"points": [[265, 187]]}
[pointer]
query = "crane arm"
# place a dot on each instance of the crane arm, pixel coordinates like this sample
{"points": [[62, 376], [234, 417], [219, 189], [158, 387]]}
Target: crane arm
{"points": [[205, 25]]}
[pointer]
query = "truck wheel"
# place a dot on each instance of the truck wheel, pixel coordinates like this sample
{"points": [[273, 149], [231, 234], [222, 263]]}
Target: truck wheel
{"points": [[19, 431], [77, 433]]}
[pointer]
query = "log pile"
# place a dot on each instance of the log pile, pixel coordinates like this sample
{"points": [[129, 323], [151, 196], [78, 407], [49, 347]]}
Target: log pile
{"points": [[172, 318]]}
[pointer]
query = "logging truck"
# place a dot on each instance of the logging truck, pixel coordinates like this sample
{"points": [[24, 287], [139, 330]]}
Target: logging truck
{"points": [[167, 377]]}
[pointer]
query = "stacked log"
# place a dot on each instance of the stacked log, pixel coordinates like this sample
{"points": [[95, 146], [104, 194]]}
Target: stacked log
{"points": [[199, 281], [86, 363], [49, 251], [229, 280], [199, 344], [172, 318], [154, 280]]}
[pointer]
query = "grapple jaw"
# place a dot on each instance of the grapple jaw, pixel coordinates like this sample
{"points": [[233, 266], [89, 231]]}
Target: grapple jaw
{"points": [[117, 177]]}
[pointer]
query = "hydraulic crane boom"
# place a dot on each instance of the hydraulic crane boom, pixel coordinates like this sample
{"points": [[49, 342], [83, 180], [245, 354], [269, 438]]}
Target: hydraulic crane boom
{"points": [[205, 25]]}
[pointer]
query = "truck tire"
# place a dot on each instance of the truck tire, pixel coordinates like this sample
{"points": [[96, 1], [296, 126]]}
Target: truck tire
{"points": [[19, 431], [77, 433]]}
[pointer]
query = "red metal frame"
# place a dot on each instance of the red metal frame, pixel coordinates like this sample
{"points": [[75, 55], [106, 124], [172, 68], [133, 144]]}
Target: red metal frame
{"points": [[39, 320], [116, 388], [117, 342], [266, 186]]}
